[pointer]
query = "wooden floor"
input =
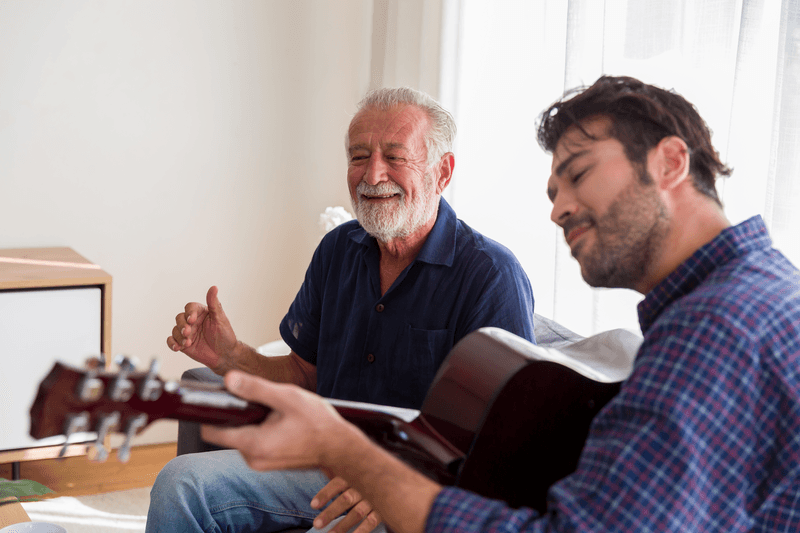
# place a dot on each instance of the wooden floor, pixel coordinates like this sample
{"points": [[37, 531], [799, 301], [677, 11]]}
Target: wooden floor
{"points": [[78, 476]]}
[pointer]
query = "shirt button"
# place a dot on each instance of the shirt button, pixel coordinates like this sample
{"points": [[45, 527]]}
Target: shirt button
{"points": [[371, 358], [379, 308]]}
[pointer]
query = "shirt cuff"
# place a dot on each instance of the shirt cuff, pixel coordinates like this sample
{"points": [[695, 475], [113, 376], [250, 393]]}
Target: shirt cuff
{"points": [[457, 510]]}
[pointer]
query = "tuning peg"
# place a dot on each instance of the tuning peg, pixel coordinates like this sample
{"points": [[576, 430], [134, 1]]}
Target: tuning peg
{"points": [[74, 424], [90, 388], [131, 428], [105, 424], [150, 388], [97, 362], [121, 388], [128, 363]]}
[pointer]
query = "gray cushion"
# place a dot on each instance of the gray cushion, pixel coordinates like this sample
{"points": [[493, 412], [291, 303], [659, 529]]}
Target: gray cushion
{"points": [[551, 334], [189, 440]]}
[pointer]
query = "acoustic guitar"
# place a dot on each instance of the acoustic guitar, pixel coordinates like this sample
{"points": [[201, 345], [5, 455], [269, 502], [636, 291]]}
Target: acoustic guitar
{"points": [[503, 418]]}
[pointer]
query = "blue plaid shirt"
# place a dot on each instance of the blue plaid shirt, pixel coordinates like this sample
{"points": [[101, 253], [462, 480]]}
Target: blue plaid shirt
{"points": [[705, 434]]}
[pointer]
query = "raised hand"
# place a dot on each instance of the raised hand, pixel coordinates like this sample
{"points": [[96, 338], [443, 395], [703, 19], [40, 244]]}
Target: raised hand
{"points": [[360, 511], [204, 333]]}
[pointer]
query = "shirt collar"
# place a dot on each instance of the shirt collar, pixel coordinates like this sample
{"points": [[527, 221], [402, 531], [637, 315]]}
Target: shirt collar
{"points": [[732, 242], [439, 247]]}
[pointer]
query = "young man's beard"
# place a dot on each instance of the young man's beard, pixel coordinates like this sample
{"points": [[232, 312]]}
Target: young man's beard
{"points": [[628, 238], [398, 219]]}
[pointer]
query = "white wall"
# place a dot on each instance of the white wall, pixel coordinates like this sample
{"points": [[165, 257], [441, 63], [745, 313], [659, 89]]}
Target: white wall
{"points": [[179, 144]]}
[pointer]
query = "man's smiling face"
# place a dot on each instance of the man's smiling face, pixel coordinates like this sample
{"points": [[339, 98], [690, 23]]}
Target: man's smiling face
{"points": [[391, 188], [613, 218]]}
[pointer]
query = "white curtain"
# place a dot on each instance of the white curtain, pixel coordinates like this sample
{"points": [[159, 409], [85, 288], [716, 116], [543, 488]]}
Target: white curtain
{"points": [[503, 61]]}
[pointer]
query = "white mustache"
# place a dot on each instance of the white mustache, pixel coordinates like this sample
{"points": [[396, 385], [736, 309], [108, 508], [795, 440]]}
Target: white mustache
{"points": [[382, 189]]}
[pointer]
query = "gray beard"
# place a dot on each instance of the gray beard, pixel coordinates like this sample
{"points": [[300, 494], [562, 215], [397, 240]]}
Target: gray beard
{"points": [[386, 223]]}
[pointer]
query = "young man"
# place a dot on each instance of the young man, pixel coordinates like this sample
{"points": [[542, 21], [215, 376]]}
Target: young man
{"points": [[384, 300], [705, 434]]}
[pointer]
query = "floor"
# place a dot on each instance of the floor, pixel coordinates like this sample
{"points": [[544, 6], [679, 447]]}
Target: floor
{"points": [[112, 512], [90, 497]]}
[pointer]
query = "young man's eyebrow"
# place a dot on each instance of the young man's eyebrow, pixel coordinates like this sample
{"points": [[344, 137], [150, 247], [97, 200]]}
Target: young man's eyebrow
{"points": [[551, 191], [565, 163]]}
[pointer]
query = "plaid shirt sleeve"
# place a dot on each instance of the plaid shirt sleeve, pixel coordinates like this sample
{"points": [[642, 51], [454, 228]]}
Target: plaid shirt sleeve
{"points": [[705, 435], [458, 510]]}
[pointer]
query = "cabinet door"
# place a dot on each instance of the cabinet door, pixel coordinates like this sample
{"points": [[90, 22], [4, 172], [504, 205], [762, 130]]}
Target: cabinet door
{"points": [[38, 327]]}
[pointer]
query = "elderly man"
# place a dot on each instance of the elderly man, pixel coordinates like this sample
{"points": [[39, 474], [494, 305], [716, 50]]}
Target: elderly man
{"points": [[384, 300], [705, 433]]}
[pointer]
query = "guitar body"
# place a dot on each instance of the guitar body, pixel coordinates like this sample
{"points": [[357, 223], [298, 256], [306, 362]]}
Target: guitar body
{"points": [[522, 421], [503, 418]]}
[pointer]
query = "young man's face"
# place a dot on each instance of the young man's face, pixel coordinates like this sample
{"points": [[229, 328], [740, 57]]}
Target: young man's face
{"points": [[614, 222]]}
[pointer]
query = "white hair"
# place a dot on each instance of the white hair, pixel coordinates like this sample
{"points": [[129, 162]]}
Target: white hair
{"points": [[442, 132]]}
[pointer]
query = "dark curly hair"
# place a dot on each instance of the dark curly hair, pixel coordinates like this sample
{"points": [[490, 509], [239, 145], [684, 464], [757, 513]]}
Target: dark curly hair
{"points": [[641, 116]]}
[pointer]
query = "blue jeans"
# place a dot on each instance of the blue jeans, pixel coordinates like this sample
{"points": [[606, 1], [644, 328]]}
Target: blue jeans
{"points": [[217, 492]]}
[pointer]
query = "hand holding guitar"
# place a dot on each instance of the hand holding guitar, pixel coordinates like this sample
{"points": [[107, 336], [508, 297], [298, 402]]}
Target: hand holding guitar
{"points": [[305, 431], [296, 434]]}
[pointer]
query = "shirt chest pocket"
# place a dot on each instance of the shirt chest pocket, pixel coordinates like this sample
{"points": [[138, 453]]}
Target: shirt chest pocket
{"points": [[418, 362]]}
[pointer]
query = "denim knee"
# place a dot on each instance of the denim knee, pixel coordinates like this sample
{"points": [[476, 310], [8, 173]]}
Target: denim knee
{"points": [[176, 482]]}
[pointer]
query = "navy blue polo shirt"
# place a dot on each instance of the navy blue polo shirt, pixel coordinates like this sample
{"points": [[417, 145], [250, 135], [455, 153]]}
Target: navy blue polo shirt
{"points": [[387, 349]]}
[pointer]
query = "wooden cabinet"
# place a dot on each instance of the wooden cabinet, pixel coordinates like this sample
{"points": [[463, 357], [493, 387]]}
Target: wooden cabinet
{"points": [[54, 305]]}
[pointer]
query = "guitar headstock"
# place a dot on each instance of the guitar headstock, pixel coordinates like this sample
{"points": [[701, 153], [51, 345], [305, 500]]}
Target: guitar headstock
{"points": [[72, 400]]}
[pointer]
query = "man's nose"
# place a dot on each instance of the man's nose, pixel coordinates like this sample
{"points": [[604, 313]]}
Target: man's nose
{"points": [[564, 206], [376, 170]]}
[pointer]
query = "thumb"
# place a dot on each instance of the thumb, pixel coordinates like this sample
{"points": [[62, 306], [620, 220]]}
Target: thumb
{"points": [[213, 303]]}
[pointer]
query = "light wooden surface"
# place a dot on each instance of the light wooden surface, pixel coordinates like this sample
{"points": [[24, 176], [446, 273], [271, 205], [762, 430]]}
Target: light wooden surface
{"points": [[24, 268], [47, 267], [78, 476], [41, 452]]}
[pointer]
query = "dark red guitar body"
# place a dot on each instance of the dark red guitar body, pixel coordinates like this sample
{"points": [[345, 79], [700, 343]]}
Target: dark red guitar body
{"points": [[522, 422]]}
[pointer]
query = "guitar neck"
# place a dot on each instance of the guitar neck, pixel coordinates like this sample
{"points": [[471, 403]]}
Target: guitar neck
{"points": [[71, 400], [416, 442], [402, 431]]}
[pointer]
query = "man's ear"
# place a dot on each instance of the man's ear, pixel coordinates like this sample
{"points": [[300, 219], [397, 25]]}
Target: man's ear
{"points": [[671, 162], [446, 166]]}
